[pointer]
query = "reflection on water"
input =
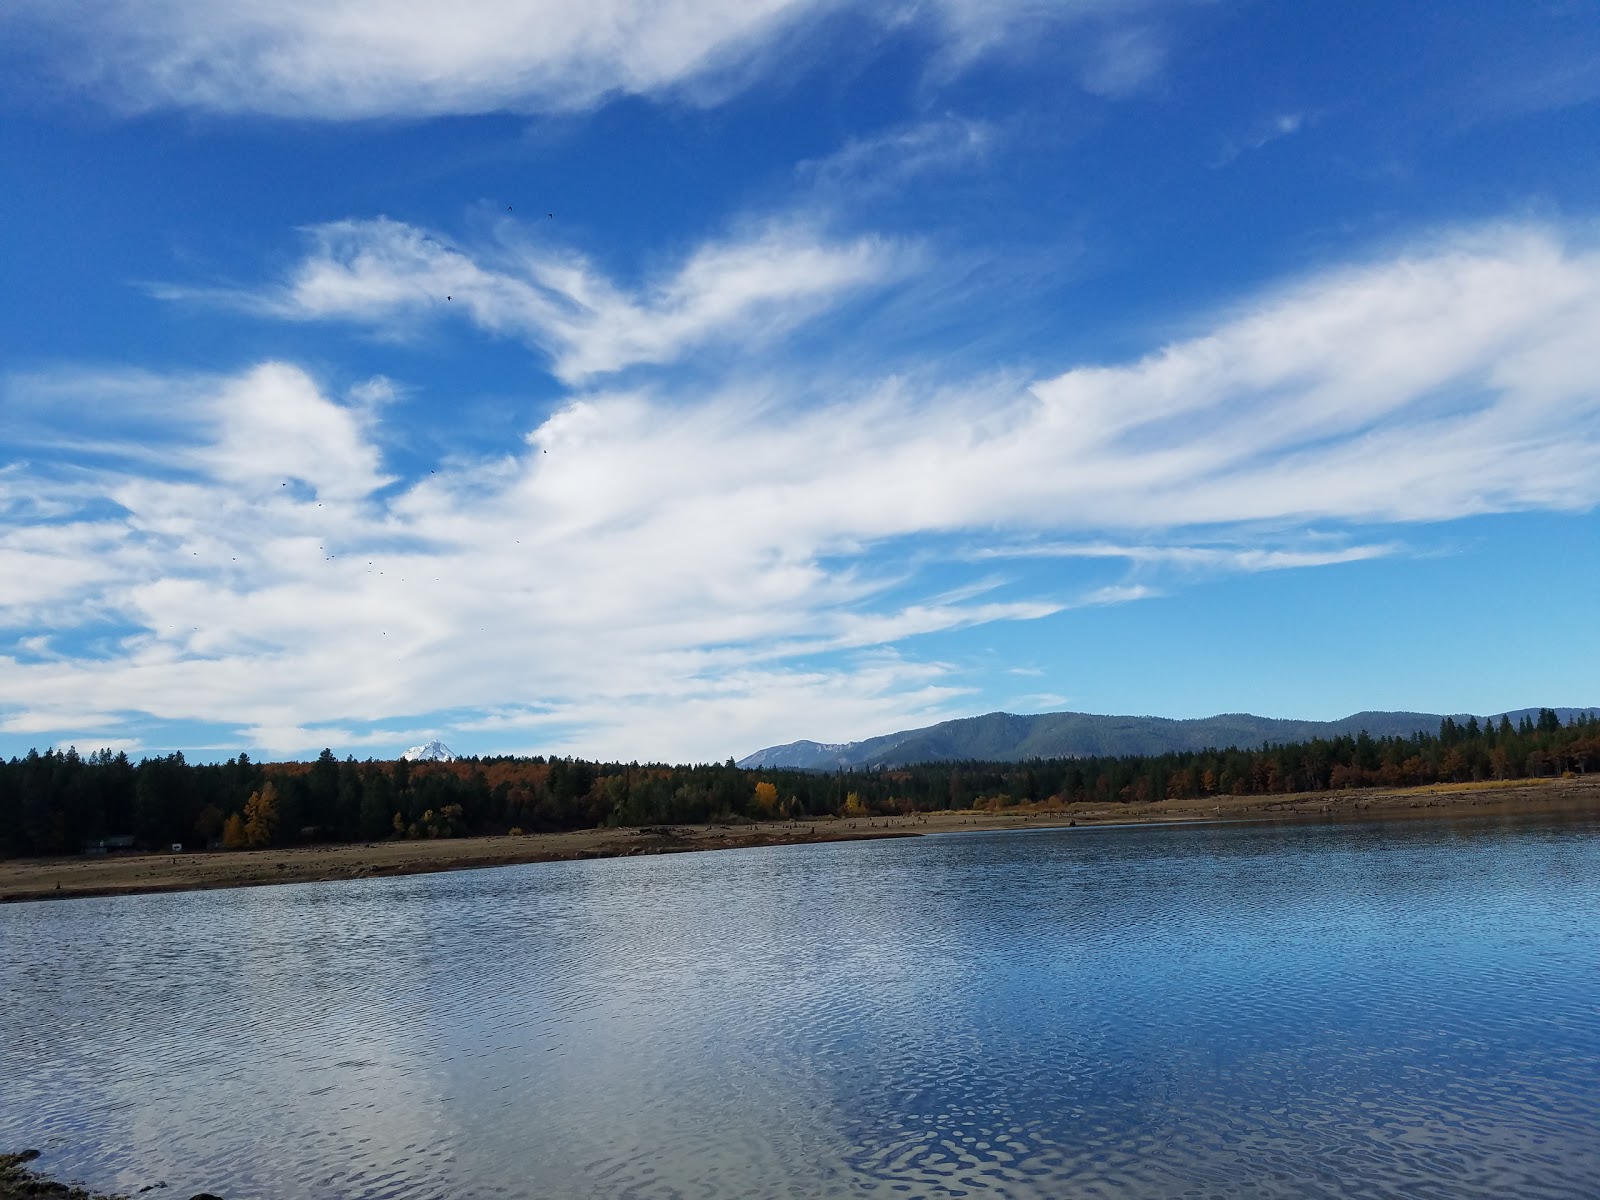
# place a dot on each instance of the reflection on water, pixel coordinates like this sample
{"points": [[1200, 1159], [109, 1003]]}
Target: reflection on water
{"points": [[1293, 1010]]}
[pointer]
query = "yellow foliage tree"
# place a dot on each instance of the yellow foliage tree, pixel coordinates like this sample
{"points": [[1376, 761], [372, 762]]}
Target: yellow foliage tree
{"points": [[766, 798], [261, 816], [233, 832], [853, 806]]}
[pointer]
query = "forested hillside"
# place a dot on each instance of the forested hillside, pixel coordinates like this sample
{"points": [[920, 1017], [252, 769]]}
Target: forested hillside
{"points": [[1012, 737], [61, 802]]}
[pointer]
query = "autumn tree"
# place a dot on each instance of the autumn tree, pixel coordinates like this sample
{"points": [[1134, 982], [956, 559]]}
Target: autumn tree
{"points": [[766, 798], [261, 816]]}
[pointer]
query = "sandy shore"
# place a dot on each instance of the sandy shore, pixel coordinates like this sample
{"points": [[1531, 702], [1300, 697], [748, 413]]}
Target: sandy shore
{"points": [[60, 878]]}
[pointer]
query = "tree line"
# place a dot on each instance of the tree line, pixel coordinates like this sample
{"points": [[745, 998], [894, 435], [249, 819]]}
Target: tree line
{"points": [[59, 802]]}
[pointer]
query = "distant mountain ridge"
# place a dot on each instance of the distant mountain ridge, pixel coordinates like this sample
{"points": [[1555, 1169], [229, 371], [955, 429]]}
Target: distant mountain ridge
{"points": [[1007, 737]]}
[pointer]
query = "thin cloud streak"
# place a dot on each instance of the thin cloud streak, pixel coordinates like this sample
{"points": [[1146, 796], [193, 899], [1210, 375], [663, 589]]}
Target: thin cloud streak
{"points": [[1197, 557], [891, 158], [1281, 126], [752, 289]]}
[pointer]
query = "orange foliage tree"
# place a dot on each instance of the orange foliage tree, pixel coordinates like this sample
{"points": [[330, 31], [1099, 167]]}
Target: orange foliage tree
{"points": [[261, 816]]}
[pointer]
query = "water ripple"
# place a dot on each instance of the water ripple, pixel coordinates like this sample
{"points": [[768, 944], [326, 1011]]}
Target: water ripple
{"points": [[1242, 1011]]}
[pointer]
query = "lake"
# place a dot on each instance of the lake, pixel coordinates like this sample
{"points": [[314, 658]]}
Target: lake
{"points": [[1261, 1010]]}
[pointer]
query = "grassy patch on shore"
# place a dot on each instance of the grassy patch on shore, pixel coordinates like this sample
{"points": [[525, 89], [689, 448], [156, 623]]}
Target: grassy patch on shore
{"points": [[1482, 785]]}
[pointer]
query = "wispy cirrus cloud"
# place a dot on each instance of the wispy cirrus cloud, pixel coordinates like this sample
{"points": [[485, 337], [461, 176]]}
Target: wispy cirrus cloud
{"points": [[344, 59], [673, 573], [1116, 49], [892, 157], [1282, 125], [369, 58], [1200, 557], [750, 289]]}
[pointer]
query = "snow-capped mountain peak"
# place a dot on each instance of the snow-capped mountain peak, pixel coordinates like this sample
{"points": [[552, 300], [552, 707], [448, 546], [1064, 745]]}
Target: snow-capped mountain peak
{"points": [[432, 752]]}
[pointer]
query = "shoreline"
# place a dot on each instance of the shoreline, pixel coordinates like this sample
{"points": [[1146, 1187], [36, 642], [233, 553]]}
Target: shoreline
{"points": [[81, 877], [20, 1181]]}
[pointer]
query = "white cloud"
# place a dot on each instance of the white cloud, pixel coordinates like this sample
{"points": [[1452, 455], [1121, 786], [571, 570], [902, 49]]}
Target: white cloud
{"points": [[1280, 126], [273, 425], [1127, 59], [660, 574], [747, 289], [1116, 48], [1120, 594], [373, 58], [366, 58], [1203, 558], [892, 157], [1036, 702]]}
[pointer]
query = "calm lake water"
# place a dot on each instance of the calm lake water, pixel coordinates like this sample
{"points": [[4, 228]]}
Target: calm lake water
{"points": [[1409, 1008]]}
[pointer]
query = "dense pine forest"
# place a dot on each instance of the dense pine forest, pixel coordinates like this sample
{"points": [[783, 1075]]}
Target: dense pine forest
{"points": [[63, 803]]}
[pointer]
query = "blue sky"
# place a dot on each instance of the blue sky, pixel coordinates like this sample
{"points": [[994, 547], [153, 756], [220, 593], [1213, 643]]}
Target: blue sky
{"points": [[666, 380]]}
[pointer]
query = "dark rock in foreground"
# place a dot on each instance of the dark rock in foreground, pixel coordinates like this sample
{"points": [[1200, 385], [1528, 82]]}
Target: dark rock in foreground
{"points": [[17, 1182]]}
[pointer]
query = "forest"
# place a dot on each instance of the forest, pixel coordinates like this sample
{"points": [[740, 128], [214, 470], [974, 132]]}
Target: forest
{"points": [[59, 802]]}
